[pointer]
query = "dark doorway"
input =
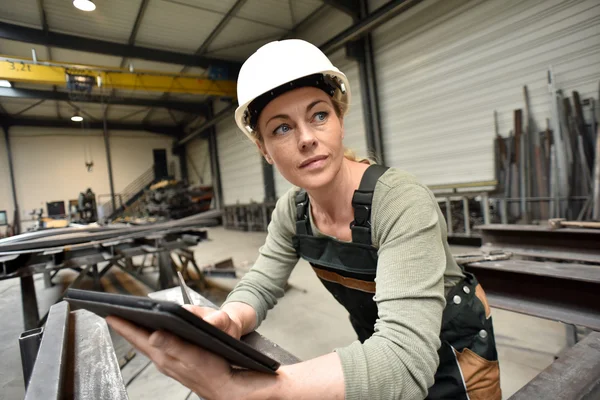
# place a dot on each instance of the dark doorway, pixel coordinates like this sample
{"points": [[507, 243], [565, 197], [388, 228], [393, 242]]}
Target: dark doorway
{"points": [[161, 171]]}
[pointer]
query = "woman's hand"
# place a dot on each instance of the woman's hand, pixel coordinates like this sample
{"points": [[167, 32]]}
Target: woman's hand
{"points": [[218, 318], [208, 375]]}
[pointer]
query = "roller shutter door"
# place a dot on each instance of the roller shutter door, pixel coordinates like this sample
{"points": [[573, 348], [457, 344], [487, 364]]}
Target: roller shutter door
{"points": [[240, 164], [198, 162], [444, 67]]}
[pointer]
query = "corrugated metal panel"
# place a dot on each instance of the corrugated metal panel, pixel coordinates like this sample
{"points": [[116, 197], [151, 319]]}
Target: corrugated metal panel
{"points": [[20, 49], [354, 129], [240, 29], [240, 52], [85, 58], [443, 72], [240, 164], [303, 8], [112, 20], [161, 116], [325, 26], [221, 6], [22, 12], [14, 105], [47, 109], [273, 12], [198, 162], [127, 114], [92, 109], [176, 27]]}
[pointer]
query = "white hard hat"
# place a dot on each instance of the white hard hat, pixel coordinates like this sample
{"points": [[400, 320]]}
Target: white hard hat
{"points": [[281, 66]]}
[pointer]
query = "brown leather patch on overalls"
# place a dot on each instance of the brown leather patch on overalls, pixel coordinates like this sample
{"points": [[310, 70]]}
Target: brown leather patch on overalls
{"points": [[351, 283], [482, 377], [481, 296]]}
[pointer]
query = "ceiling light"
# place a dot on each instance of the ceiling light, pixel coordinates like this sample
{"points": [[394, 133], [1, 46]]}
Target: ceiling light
{"points": [[5, 83], [77, 118], [84, 5]]}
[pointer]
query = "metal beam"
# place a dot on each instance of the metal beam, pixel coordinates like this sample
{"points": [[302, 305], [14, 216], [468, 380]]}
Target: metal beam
{"points": [[362, 51], [24, 70], [11, 170], [200, 108], [269, 181], [380, 16], [350, 7], [109, 160], [37, 36], [215, 168], [220, 116], [117, 126]]}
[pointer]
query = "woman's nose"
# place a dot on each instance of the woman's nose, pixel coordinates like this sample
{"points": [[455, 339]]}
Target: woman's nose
{"points": [[307, 139]]}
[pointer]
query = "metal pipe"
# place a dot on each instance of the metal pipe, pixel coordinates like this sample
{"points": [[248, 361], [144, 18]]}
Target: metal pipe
{"points": [[29, 344], [11, 170], [109, 163], [48, 375], [449, 216], [466, 216], [486, 208]]}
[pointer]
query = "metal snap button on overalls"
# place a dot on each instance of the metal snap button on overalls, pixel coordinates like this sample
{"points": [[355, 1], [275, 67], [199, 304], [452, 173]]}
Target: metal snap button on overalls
{"points": [[457, 299], [466, 289], [483, 334]]}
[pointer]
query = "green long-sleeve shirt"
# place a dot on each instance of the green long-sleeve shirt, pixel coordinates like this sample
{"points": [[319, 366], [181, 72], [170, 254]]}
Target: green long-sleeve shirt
{"points": [[414, 271]]}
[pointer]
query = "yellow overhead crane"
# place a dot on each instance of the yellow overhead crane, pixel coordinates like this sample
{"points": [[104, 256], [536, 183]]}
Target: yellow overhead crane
{"points": [[61, 74]]}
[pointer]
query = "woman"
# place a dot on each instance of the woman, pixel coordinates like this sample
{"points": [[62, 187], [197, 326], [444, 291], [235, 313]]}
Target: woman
{"points": [[375, 238]]}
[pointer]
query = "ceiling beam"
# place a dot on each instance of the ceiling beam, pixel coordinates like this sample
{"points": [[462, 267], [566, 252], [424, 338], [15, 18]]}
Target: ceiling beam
{"points": [[350, 7], [174, 131], [38, 36], [375, 19], [197, 108]]}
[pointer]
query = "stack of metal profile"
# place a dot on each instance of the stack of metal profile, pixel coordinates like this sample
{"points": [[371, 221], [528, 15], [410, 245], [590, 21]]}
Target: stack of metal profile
{"points": [[552, 171]]}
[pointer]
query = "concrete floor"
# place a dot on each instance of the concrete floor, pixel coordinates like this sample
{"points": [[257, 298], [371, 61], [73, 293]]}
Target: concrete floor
{"points": [[308, 322]]}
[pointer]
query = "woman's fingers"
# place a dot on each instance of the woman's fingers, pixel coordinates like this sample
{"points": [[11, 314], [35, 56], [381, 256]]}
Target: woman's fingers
{"points": [[199, 311], [217, 318]]}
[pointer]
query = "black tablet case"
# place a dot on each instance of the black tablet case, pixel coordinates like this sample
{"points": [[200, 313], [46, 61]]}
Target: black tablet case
{"points": [[163, 315]]}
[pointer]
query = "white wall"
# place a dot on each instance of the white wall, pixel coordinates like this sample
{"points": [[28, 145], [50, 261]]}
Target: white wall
{"points": [[50, 164]]}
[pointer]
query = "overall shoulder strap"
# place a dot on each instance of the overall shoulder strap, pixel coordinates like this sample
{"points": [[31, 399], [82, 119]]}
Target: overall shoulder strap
{"points": [[302, 220], [361, 202]]}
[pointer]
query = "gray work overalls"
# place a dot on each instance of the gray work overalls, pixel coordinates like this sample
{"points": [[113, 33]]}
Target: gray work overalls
{"points": [[468, 366]]}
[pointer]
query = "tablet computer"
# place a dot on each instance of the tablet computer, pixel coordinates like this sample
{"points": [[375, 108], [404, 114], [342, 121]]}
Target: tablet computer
{"points": [[156, 315]]}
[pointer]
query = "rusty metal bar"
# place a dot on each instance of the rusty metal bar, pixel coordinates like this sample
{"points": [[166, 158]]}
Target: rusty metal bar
{"points": [[564, 292], [569, 244], [575, 375]]}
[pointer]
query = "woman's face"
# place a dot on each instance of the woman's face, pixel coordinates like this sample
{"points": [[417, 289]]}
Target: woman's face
{"points": [[302, 136]]}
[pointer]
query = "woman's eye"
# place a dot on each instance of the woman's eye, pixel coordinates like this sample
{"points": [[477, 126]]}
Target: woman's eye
{"points": [[282, 129], [321, 116]]}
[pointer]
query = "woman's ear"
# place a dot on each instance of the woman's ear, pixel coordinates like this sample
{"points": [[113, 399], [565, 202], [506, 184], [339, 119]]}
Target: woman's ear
{"points": [[264, 152]]}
